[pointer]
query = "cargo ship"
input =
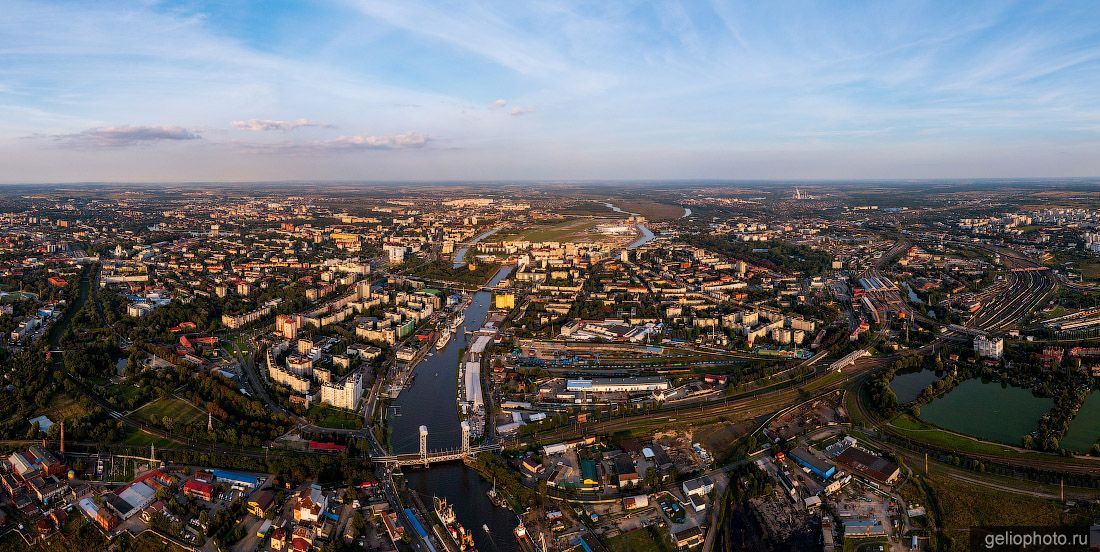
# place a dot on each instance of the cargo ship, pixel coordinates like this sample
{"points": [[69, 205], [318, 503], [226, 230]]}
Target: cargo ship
{"points": [[494, 496], [462, 538]]}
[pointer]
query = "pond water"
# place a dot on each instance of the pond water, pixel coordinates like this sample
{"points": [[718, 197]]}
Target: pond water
{"points": [[907, 386], [1084, 430], [988, 410]]}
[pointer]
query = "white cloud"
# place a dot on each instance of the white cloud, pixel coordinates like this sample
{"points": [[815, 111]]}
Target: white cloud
{"points": [[499, 103], [521, 111], [389, 141], [264, 125], [126, 135], [357, 142]]}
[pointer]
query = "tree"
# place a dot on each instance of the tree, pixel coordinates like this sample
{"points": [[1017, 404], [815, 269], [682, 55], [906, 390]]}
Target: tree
{"points": [[542, 491]]}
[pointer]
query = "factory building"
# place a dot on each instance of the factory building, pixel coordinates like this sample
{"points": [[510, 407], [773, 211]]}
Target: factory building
{"points": [[617, 385], [818, 466]]}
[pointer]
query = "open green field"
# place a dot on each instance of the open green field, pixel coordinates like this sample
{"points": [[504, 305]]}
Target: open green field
{"points": [[63, 407], [1090, 270], [871, 544], [646, 539], [179, 410], [572, 230], [327, 416], [651, 210], [123, 392], [141, 439], [957, 505], [917, 430]]}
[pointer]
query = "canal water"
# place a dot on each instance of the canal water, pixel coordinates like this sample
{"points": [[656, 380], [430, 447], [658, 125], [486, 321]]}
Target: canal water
{"points": [[1084, 430], [431, 401], [907, 386], [988, 410]]}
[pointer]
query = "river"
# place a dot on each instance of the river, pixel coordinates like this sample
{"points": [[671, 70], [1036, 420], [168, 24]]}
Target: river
{"points": [[647, 234], [431, 401], [460, 255]]}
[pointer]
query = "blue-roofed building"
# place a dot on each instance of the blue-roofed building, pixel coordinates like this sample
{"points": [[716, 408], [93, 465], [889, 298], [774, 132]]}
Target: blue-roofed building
{"points": [[584, 545], [416, 523], [236, 480], [864, 528], [818, 466]]}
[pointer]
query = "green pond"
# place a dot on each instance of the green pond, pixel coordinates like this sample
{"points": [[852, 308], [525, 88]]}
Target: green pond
{"points": [[907, 386], [988, 410], [1084, 430]]}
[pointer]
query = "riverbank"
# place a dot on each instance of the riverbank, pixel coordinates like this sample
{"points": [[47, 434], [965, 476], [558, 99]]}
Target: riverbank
{"points": [[428, 401]]}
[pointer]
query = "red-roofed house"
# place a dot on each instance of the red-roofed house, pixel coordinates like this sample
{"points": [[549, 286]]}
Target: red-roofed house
{"points": [[201, 489]]}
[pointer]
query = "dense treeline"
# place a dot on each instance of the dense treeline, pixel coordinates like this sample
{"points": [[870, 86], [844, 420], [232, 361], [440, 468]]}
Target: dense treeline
{"points": [[779, 256]]}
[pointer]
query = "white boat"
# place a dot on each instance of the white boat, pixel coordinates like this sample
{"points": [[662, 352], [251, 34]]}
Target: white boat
{"points": [[457, 321], [444, 337]]}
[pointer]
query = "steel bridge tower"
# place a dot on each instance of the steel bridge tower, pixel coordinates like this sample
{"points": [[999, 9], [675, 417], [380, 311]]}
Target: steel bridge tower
{"points": [[424, 444]]}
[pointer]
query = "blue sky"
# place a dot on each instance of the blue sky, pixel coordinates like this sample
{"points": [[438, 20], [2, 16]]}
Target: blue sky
{"points": [[547, 89]]}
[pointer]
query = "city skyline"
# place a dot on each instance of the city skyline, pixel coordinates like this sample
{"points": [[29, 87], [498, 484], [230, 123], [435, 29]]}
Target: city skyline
{"points": [[365, 91]]}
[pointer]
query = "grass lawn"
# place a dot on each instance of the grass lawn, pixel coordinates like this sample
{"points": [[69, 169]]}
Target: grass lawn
{"points": [[327, 416], [645, 539], [913, 428], [578, 229], [137, 438], [1090, 270], [64, 408], [651, 210], [179, 410], [959, 505], [870, 544], [1055, 312], [123, 392], [148, 543]]}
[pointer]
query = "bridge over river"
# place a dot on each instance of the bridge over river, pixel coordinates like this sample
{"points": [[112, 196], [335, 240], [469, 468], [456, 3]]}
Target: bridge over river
{"points": [[424, 457]]}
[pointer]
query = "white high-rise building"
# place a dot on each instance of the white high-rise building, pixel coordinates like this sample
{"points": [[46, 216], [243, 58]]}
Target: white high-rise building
{"points": [[989, 347], [344, 394]]}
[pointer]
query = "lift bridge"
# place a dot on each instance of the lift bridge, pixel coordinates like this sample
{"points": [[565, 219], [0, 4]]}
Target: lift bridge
{"points": [[423, 458]]}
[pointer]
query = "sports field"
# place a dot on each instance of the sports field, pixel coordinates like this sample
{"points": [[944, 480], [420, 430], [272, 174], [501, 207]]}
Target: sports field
{"points": [[179, 410]]}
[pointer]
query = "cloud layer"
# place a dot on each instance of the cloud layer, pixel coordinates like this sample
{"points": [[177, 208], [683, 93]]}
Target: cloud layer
{"points": [[407, 140], [127, 135], [264, 125], [549, 89]]}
